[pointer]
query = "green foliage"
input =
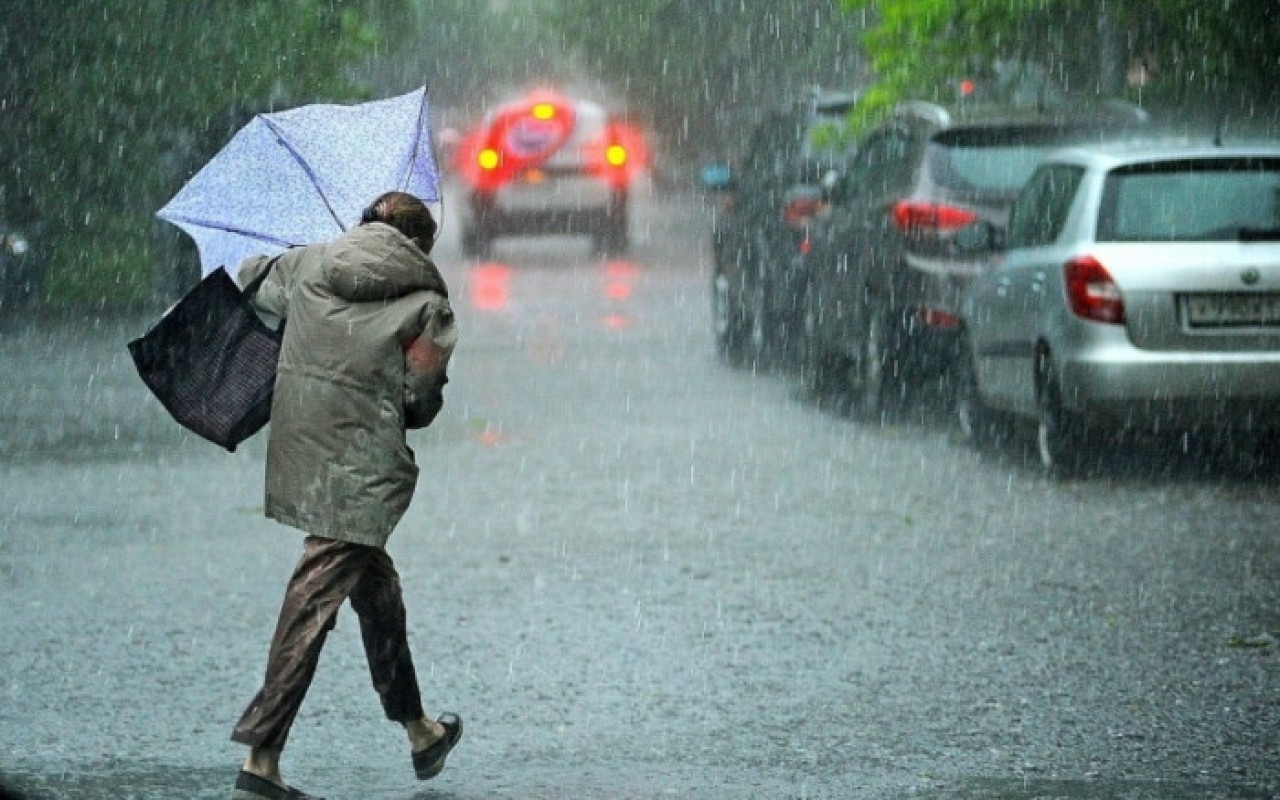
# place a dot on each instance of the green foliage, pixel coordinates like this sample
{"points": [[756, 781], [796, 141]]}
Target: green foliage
{"points": [[108, 263], [830, 138], [114, 103], [1196, 54], [1228, 50]]}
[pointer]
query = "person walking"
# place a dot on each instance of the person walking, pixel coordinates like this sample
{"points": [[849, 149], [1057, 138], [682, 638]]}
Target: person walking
{"points": [[368, 336]]}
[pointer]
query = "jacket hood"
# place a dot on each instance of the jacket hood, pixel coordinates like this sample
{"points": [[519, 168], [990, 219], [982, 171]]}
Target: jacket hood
{"points": [[374, 261]]}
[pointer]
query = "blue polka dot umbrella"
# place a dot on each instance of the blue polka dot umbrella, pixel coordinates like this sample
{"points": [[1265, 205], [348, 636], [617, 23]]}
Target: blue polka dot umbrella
{"points": [[304, 175]]}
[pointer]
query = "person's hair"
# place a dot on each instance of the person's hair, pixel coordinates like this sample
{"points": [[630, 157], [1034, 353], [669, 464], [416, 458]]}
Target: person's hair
{"points": [[405, 213]]}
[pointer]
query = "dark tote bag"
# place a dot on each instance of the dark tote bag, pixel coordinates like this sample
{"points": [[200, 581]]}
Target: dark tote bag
{"points": [[211, 360]]}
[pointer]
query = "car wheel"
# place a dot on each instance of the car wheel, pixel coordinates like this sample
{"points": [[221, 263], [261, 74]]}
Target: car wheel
{"points": [[609, 236], [726, 318], [611, 239], [870, 376], [1061, 437], [476, 242], [975, 423], [758, 323], [817, 365]]}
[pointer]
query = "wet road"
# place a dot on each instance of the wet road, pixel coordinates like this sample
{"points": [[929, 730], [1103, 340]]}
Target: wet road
{"points": [[636, 573]]}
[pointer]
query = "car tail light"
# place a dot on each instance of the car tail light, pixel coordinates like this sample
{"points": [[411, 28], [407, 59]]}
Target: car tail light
{"points": [[913, 216], [489, 159], [619, 156], [800, 210], [1091, 292], [937, 318]]}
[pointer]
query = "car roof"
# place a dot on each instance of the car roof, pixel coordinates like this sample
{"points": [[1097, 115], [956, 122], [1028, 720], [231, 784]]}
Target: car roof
{"points": [[833, 102], [580, 105], [815, 101], [1105, 113], [1109, 155]]}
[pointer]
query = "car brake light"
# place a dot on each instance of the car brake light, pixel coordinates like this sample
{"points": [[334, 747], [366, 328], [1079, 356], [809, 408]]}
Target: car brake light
{"points": [[544, 111], [616, 155], [1091, 292], [936, 318], [800, 210], [489, 159], [913, 216]]}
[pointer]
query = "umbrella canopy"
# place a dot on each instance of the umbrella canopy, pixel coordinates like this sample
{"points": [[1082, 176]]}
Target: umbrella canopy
{"points": [[303, 176]]}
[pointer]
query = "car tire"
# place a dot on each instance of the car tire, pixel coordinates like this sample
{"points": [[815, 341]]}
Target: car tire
{"points": [[818, 366], [726, 319], [759, 335], [975, 424], [476, 242], [1061, 436], [871, 377], [612, 238], [480, 227]]}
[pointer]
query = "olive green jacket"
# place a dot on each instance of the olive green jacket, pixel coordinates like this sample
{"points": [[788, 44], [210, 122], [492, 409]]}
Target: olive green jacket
{"points": [[338, 465]]}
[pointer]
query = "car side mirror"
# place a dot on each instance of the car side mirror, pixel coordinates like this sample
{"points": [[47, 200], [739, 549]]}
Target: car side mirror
{"points": [[716, 178], [837, 188], [979, 237]]}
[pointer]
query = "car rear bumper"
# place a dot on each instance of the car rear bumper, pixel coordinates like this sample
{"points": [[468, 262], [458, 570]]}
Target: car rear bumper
{"points": [[564, 193], [578, 206], [551, 221], [1141, 388]]}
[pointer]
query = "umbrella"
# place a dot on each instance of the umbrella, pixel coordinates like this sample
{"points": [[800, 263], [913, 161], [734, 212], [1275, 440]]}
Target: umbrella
{"points": [[303, 175]]}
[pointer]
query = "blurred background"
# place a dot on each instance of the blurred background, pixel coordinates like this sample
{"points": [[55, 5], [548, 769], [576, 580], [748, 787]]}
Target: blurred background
{"points": [[109, 106]]}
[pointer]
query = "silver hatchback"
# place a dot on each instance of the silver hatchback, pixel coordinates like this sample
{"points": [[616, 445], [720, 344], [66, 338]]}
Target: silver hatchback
{"points": [[1138, 287]]}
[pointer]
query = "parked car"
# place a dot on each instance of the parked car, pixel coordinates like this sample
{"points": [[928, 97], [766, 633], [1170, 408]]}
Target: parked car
{"points": [[769, 195], [881, 305], [549, 164], [1138, 288]]}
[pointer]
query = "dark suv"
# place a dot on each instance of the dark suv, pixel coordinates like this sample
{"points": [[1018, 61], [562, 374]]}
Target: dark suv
{"points": [[769, 196], [880, 310]]}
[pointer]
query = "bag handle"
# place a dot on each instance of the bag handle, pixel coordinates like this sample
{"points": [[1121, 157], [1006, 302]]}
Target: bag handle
{"points": [[256, 284]]}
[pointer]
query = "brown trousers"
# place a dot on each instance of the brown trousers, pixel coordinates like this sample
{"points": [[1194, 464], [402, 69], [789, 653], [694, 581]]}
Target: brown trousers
{"points": [[328, 573]]}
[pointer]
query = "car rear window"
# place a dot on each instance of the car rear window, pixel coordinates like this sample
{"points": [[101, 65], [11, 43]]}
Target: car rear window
{"points": [[993, 160], [1216, 199]]}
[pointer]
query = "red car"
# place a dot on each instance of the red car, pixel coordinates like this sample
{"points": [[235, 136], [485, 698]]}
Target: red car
{"points": [[547, 164]]}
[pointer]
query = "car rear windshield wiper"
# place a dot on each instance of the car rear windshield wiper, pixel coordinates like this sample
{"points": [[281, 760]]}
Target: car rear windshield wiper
{"points": [[1241, 233], [1259, 234]]}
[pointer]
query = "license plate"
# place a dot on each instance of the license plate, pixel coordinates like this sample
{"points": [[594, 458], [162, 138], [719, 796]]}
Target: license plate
{"points": [[1231, 310]]}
